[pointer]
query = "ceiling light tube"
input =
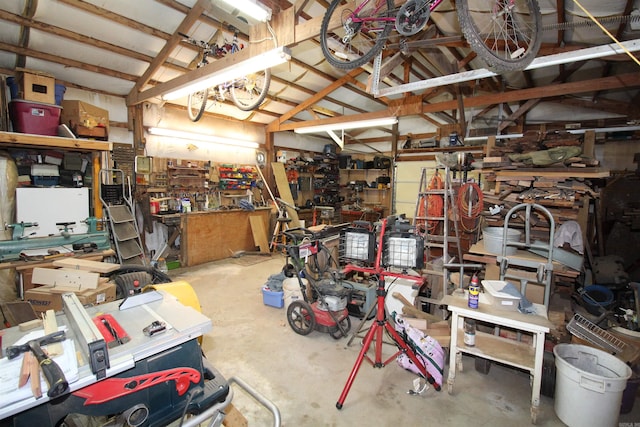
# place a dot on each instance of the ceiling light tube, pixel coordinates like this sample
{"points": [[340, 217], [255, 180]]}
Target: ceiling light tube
{"points": [[385, 121], [199, 137], [254, 9], [256, 63]]}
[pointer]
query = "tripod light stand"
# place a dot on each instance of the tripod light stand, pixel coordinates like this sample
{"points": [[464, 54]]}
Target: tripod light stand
{"points": [[381, 323]]}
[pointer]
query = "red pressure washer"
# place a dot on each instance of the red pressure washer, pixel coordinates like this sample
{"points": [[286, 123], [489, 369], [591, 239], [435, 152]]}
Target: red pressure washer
{"points": [[325, 310]]}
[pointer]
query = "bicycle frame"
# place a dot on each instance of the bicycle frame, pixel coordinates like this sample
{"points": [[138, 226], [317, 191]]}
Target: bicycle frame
{"points": [[245, 92], [355, 18], [505, 34]]}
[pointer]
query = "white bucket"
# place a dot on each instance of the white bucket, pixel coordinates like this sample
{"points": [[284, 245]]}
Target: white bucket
{"points": [[292, 291], [589, 386], [492, 237]]}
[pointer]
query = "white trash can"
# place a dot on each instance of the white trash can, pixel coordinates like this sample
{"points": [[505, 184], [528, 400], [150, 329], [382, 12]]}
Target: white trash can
{"points": [[589, 386]]}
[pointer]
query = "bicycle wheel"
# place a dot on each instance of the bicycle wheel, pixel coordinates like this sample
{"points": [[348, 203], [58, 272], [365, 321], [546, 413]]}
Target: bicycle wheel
{"points": [[353, 42], [506, 34], [249, 92], [196, 103]]}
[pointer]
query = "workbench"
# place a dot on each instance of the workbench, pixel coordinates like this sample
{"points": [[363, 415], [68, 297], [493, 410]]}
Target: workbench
{"points": [[212, 235], [519, 354], [155, 371]]}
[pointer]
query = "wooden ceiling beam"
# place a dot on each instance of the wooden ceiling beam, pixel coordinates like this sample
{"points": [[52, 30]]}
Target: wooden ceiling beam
{"points": [[173, 41], [82, 38], [330, 78], [67, 62], [521, 111], [220, 22], [628, 81], [603, 104], [274, 126], [114, 17]]}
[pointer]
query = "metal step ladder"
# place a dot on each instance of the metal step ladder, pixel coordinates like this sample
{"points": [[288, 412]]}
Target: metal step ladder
{"points": [[120, 217], [436, 229]]}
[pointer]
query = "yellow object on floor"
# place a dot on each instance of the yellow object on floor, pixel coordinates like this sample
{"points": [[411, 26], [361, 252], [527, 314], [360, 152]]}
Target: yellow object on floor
{"points": [[182, 291]]}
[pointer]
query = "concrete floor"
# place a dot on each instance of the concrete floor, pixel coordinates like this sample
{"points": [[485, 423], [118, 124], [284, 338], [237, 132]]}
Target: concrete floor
{"points": [[305, 375]]}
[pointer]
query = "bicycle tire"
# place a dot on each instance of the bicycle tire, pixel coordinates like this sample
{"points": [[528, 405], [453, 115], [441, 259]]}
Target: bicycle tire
{"points": [[196, 104], [510, 39], [249, 93], [364, 45]]}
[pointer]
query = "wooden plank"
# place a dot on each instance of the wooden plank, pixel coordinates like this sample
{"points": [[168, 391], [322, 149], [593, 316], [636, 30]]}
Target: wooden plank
{"points": [[86, 265], [41, 141], [34, 373], [259, 233], [27, 265], [588, 147], [25, 370], [234, 418], [553, 173], [72, 279], [50, 326], [285, 192]]}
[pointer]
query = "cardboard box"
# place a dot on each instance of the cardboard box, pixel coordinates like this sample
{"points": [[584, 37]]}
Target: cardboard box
{"points": [[37, 87], [45, 298], [79, 113]]}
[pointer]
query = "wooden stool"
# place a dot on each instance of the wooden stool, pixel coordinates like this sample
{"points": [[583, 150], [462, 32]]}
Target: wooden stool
{"points": [[282, 224]]}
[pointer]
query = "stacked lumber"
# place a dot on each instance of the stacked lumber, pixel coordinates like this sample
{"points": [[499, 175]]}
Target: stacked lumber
{"points": [[564, 198], [560, 187]]}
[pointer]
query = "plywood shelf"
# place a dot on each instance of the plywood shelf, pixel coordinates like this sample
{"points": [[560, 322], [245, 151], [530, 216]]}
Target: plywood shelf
{"points": [[22, 140]]}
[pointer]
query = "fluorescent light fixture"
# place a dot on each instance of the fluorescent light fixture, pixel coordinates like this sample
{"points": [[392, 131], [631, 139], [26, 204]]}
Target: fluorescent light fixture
{"points": [[172, 133], [259, 62], [384, 121], [255, 10]]}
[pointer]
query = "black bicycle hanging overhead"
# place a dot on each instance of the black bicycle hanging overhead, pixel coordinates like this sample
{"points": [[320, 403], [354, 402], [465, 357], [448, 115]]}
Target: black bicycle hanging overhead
{"points": [[505, 34], [247, 92]]}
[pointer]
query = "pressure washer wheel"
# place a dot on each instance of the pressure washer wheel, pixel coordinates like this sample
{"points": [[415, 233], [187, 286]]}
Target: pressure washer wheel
{"points": [[301, 317]]}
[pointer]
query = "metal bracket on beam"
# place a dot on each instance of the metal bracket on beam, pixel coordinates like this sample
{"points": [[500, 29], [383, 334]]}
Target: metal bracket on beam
{"points": [[481, 73]]}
